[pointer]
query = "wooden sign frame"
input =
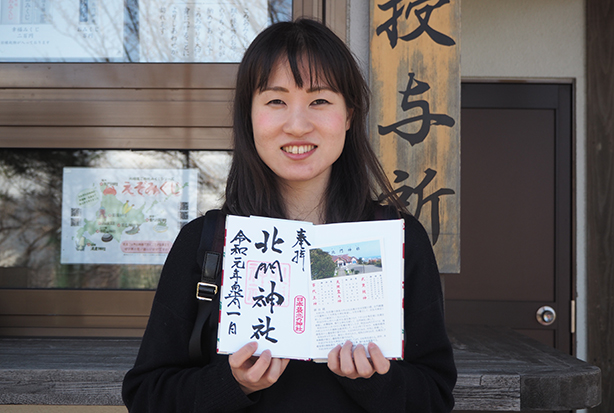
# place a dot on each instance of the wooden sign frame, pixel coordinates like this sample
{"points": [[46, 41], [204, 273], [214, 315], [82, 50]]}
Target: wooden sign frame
{"points": [[415, 112]]}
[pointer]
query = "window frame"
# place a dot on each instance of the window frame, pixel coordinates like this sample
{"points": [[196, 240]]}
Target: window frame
{"points": [[37, 110]]}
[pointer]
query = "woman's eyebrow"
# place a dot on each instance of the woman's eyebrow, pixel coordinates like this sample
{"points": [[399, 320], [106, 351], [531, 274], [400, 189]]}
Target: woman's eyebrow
{"points": [[274, 89], [312, 89], [319, 89]]}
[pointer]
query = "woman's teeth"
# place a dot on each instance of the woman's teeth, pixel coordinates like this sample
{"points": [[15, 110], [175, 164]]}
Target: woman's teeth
{"points": [[297, 150]]}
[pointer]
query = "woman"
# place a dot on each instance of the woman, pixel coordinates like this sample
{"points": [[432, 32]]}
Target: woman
{"points": [[300, 152]]}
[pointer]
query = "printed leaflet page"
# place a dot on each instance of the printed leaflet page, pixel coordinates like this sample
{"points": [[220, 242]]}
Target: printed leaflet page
{"points": [[356, 290]]}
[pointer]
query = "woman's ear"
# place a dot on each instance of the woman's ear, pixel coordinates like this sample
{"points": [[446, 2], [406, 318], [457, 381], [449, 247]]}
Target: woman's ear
{"points": [[349, 119]]}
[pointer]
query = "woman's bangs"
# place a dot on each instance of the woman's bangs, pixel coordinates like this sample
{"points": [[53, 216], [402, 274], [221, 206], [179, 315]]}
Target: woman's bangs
{"points": [[264, 67], [320, 70]]}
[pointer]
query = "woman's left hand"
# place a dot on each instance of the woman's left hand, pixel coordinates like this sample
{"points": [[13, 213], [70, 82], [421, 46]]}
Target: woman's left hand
{"points": [[343, 362]]}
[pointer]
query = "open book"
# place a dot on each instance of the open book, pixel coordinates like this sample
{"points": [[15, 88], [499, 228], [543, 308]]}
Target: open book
{"points": [[300, 289]]}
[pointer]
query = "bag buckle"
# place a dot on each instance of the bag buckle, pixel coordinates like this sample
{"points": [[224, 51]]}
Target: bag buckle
{"points": [[205, 291]]}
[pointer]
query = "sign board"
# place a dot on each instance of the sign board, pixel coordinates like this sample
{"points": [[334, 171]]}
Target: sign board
{"points": [[415, 113]]}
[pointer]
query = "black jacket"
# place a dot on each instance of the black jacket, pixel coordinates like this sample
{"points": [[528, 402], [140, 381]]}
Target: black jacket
{"points": [[164, 380]]}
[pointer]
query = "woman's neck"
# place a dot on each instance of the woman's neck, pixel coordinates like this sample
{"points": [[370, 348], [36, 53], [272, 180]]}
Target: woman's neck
{"points": [[305, 203]]}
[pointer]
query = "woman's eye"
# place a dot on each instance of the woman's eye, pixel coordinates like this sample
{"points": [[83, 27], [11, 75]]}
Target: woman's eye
{"points": [[320, 102], [275, 102]]}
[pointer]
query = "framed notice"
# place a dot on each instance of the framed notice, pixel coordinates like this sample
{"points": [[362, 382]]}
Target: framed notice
{"points": [[124, 216], [199, 31], [62, 29]]}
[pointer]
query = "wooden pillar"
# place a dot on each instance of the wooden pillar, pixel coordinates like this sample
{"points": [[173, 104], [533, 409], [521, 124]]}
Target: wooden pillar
{"points": [[415, 113], [600, 193]]}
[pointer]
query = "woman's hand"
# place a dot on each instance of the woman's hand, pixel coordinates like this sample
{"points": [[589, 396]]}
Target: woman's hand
{"points": [[343, 362], [255, 373]]}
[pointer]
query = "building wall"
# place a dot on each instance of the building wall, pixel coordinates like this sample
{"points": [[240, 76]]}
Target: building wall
{"points": [[541, 40], [501, 39]]}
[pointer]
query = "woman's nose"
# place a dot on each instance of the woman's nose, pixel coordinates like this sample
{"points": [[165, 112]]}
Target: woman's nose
{"points": [[298, 122]]}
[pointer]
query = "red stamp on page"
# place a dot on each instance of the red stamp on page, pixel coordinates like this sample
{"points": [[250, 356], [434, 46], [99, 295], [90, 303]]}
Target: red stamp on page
{"points": [[299, 314], [271, 279]]}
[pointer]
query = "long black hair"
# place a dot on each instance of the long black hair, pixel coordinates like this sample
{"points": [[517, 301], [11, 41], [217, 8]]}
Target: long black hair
{"points": [[357, 176]]}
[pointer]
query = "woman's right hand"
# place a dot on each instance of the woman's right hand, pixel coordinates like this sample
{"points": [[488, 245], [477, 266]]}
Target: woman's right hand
{"points": [[255, 373]]}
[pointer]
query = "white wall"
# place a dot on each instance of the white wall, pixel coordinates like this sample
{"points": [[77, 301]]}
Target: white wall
{"points": [[358, 31], [528, 40]]}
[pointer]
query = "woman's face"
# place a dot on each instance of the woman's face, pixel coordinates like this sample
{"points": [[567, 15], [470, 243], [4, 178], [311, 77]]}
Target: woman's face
{"points": [[299, 132]]}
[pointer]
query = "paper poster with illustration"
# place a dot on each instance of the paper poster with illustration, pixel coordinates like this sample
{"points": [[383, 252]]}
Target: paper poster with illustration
{"points": [[124, 216]]}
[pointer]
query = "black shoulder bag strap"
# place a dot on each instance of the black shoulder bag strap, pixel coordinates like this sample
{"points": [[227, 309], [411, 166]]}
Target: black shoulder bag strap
{"points": [[209, 257]]}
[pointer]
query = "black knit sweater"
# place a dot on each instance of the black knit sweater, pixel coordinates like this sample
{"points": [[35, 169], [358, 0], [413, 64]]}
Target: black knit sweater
{"points": [[164, 380]]}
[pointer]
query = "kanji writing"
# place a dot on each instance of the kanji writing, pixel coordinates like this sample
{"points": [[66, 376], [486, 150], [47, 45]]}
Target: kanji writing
{"points": [[236, 292], [300, 303], [405, 191], [301, 240], [263, 246], [240, 237], [260, 330], [270, 299], [423, 16], [274, 268], [426, 118], [238, 265]]}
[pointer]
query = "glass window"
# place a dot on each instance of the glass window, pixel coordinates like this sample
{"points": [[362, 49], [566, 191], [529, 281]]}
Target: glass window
{"points": [[99, 219], [144, 31]]}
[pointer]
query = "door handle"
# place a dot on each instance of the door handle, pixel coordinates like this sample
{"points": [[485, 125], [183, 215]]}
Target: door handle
{"points": [[545, 315]]}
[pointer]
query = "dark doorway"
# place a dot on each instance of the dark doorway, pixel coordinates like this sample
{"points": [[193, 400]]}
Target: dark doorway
{"points": [[516, 249], [516, 209]]}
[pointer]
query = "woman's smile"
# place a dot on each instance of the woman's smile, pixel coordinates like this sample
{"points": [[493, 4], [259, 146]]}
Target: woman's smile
{"points": [[298, 150]]}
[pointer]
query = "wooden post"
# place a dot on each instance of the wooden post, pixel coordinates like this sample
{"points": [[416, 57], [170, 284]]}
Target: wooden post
{"points": [[600, 193], [415, 113]]}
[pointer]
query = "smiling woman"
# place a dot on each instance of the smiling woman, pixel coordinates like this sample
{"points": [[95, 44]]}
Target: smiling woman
{"points": [[301, 152], [307, 85]]}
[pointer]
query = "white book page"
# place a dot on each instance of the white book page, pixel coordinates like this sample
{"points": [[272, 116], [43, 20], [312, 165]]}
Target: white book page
{"points": [[264, 296], [361, 298]]}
